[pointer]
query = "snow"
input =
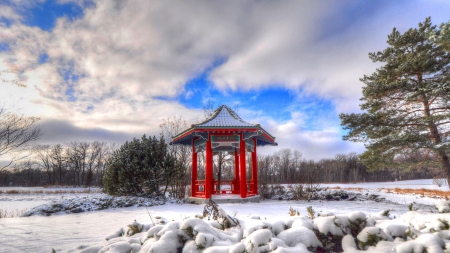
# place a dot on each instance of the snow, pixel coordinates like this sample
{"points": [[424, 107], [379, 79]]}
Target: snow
{"points": [[258, 241], [363, 236], [327, 225], [442, 206], [432, 244], [265, 226], [294, 236]]}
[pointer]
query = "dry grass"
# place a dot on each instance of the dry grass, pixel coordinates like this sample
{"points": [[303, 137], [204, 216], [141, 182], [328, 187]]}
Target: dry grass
{"points": [[293, 212], [358, 189], [334, 188], [5, 213], [422, 192], [59, 191]]}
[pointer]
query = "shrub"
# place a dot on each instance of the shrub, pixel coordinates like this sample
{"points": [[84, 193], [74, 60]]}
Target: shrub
{"points": [[140, 167]]}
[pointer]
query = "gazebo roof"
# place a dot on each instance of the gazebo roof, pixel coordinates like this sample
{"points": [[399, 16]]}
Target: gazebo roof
{"points": [[224, 120], [224, 117]]}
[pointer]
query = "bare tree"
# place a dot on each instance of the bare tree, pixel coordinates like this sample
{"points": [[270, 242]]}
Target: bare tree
{"points": [[58, 160], [16, 133], [43, 153], [169, 128]]}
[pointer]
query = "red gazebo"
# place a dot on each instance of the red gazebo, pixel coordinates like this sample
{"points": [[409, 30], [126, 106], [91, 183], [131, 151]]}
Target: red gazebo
{"points": [[225, 131]]}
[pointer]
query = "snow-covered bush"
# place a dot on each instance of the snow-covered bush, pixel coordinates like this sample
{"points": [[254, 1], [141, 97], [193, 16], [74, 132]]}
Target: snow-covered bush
{"points": [[92, 203], [424, 243], [354, 232], [383, 215], [442, 206], [370, 236], [258, 241], [329, 233], [134, 228], [296, 235]]}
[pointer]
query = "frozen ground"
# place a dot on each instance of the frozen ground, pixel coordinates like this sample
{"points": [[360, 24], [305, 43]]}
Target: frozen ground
{"points": [[380, 189], [29, 197], [413, 184], [66, 232]]}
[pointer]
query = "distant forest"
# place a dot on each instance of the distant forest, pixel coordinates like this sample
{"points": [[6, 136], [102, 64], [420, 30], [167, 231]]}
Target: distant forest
{"points": [[84, 164]]}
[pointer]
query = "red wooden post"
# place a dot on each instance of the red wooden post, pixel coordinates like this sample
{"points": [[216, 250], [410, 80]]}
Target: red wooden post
{"points": [[255, 169], [194, 178], [242, 168], [209, 169], [236, 171]]}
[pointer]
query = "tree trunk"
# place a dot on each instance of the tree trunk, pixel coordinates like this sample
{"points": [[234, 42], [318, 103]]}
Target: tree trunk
{"points": [[436, 137], [445, 163]]}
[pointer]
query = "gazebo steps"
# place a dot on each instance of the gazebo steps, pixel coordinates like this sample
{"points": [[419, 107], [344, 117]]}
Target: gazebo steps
{"points": [[226, 198]]}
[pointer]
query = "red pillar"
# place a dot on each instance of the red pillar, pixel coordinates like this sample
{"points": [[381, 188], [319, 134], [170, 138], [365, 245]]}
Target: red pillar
{"points": [[209, 169], [255, 169], [194, 177], [242, 168], [236, 171]]}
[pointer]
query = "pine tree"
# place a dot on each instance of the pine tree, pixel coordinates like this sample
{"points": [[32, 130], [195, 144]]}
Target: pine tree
{"points": [[441, 36], [140, 167], [406, 101]]}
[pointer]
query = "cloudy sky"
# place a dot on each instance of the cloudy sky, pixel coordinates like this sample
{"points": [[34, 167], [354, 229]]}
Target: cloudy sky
{"points": [[113, 70]]}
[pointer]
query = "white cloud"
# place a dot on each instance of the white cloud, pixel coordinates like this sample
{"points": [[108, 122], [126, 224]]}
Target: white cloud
{"points": [[8, 13], [127, 54]]}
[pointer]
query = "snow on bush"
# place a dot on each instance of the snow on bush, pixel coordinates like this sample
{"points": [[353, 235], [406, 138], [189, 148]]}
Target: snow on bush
{"points": [[328, 225], [168, 243], [427, 222], [370, 236], [296, 235], [301, 222], [299, 248], [383, 215], [414, 231], [396, 230], [258, 241], [278, 227], [92, 203], [424, 243], [442, 206]]}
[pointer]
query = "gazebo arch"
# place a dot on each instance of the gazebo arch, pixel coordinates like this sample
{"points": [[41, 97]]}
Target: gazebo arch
{"points": [[225, 131]]}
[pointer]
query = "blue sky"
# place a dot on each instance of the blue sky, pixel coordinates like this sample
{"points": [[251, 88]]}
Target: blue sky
{"points": [[114, 70]]}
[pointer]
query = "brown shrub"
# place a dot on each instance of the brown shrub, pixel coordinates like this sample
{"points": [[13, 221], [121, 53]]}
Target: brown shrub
{"points": [[5, 213], [423, 192]]}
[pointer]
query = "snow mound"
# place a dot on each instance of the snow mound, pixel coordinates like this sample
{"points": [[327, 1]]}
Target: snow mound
{"points": [[294, 236], [354, 232], [442, 206], [92, 203]]}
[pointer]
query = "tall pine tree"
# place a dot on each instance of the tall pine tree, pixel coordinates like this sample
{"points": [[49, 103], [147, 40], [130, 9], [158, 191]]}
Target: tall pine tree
{"points": [[406, 102]]}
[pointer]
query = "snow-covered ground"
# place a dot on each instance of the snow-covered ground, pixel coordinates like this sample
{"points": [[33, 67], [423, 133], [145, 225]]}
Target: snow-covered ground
{"points": [[29, 197], [380, 188], [412, 184], [65, 232]]}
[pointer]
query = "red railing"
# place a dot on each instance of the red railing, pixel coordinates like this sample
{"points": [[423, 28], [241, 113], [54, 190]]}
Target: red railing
{"points": [[250, 187], [199, 190], [226, 187], [223, 190]]}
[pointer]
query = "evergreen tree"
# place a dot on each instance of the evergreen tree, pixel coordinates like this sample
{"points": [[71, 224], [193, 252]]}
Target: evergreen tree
{"points": [[405, 102], [139, 167], [441, 36]]}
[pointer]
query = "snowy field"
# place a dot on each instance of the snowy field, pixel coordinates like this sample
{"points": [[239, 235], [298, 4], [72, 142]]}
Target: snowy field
{"points": [[67, 232], [29, 197]]}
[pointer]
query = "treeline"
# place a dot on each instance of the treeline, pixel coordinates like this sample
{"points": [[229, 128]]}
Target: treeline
{"points": [[153, 164], [76, 163], [289, 167]]}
